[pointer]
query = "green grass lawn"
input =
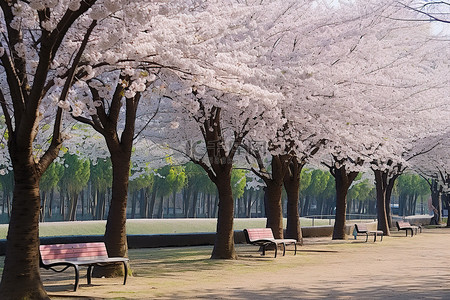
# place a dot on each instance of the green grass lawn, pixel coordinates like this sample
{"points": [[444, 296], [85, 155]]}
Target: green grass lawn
{"points": [[147, 226]]}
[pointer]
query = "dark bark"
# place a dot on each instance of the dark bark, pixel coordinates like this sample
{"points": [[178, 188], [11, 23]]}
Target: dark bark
{"points": [[21, 277], [50, 204], [381, 183], [120, 149], [343, 181], [273, 209], [274, 187], [219, 171], [224, 241], [292, 187], [389, 189], [73, 201], [436, 202], [115, 234]]}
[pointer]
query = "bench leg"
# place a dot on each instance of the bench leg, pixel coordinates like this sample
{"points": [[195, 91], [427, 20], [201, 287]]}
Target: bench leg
{"points": [[77, 278], [89, 274], [374, 237], [295, 251], [276, 250], [125, 270], [284, 248], [367, 236]]}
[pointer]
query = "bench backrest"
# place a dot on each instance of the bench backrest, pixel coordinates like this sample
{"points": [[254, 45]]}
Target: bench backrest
{"points": [[72, 252], [403, 224], [361, 227], [254, 234]]}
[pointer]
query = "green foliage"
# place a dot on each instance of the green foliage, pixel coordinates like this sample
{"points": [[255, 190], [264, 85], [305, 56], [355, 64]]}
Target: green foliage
{"points": [[170, 179], [238, 183], [145, 180], [319, 182], [101, 174], [7, 182], [197, 179], [305, 179], [412, 184], [51, 177], [362, 190], [76, 173]]}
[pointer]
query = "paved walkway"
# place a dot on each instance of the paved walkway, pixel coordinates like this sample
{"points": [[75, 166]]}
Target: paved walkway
{"points": [[398, 268]]}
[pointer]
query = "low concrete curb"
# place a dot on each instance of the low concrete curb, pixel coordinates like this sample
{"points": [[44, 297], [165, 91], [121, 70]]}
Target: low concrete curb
{"points": [[167, 240]]}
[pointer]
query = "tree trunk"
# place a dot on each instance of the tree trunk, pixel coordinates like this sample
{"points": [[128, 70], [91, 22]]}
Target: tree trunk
{"points": [[343, 182], [50, 204], [186, 198], [194, 204], [73, 207], [115, 234], [305, 210], [381, 186], [250, 193], [152, 203], [273, 208], [216, 205], [21, 277], [82, 203], [292, 187], [389, 189], [224, 241], [133, 206], [43, 206], [161, 207], [174, 204], [437, 203]]}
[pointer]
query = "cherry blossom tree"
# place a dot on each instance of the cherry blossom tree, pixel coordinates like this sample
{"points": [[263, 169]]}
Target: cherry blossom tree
{"points": [[47, 48]]}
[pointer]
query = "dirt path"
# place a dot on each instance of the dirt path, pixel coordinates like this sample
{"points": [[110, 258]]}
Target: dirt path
{"points": [[398, 268]]}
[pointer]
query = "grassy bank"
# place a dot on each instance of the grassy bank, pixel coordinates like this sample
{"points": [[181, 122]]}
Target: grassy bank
{"points": [[146, 226]]}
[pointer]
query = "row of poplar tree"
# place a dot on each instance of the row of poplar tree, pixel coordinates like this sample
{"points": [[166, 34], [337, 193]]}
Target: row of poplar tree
{"points": [[79, 189]]}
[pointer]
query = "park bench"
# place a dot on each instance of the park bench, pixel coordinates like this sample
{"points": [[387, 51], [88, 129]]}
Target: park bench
{"points": [[263, 237], [404, 225], [60, 257], [361, 228]]}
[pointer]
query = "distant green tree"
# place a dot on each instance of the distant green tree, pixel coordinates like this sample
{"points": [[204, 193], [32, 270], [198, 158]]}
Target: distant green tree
{"points": [[359, 194], [100, 178], [49, 181], [140, 188], [73, 181], [7, 186], [238, 183], [410, 187], [318, 183], [168, 180], [197, 181]]}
